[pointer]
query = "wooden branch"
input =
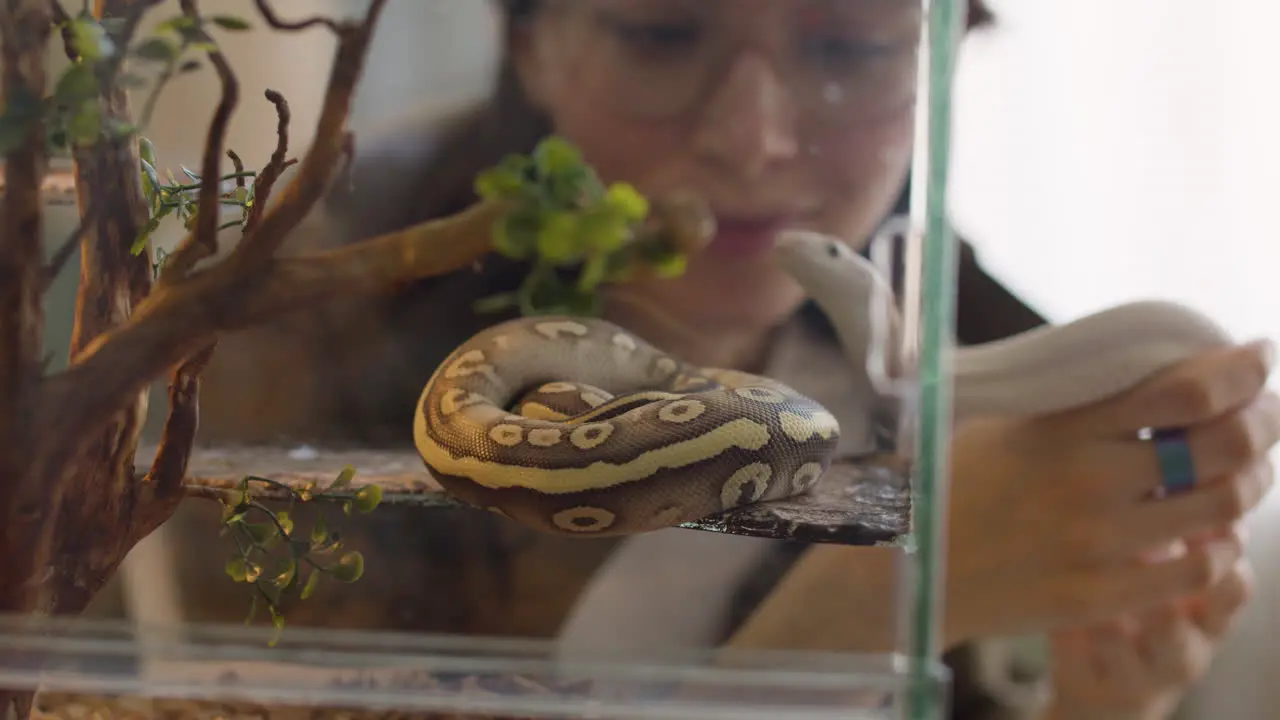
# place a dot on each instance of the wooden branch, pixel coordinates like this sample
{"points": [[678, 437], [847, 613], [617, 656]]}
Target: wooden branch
{"points": [[175, 321], [25, 29], [162, 485], [858, 502], [269, 14], [266, 179], [237, 165], [327, 149], [178, 319], [178, 436], [60, 16], [203, 242]]}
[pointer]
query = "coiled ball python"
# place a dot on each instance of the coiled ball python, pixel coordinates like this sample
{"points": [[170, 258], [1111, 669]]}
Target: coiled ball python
{"points": [[576, 426]]}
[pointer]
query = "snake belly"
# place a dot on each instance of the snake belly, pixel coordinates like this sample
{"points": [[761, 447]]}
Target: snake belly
{"points": [[576, 426]]}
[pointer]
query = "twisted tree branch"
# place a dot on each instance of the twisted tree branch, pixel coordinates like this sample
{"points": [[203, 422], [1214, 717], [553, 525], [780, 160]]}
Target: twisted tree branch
{"points": [[266, 179], [202, 243], [25, 28], [269, 14], [317, 167]]}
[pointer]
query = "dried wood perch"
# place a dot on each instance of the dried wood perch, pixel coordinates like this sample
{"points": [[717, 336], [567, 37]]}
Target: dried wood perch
{"points": [[856, 503]]}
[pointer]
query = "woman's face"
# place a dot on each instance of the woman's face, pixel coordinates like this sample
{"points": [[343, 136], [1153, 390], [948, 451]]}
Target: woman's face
{"points": [[780, 113]]}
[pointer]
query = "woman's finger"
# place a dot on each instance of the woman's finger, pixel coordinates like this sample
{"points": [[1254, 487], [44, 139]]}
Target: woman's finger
{"points": [[1118, 663], [1221, 446], [1190, 392], [1134, 587], [1172, 649], [1210, 510], [1215, 611]]}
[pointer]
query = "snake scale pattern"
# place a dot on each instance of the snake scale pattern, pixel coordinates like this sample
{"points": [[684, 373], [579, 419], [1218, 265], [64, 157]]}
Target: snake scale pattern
{"points": [[636, 441]]}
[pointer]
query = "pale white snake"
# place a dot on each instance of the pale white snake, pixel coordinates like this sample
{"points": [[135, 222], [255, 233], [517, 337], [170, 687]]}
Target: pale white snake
{"points": [[576, 426]]}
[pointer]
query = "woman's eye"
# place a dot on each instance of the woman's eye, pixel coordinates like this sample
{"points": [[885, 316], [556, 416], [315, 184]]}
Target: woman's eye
{"points": [[656, 36], [838, 52]]}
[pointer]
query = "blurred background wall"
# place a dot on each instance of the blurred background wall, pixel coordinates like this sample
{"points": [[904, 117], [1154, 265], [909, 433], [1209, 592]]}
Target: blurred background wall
{"points": [[1105, 151], [1108, 151]]}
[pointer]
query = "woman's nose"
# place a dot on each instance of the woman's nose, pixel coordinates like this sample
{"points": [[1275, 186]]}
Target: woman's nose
{"points": [[748, 123]]}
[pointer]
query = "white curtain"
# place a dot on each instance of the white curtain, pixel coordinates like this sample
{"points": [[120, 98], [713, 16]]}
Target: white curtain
{"points": [[1109, 150]]}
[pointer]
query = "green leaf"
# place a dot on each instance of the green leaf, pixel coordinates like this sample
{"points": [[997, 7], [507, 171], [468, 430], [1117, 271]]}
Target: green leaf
{"points": [[602, 229], [318, 532], [76, 85], [156, 48], [313, 582], [260, 532], [593, 272], [349, 568], [287, 574], [85, 125], [628, 201], [344, 478], [90, 40], [368, 497], [148, 152], [277, 622], [558, 238], [243, 570], [140, 244], [556, 155], [176, 24], [497, 183], [516, 235], [229, 22], [237, 568], [285, 522], [151, 179], [671, 266]]}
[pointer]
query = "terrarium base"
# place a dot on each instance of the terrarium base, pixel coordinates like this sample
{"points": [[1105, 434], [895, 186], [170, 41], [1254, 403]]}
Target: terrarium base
{"points": [[858, 501]]}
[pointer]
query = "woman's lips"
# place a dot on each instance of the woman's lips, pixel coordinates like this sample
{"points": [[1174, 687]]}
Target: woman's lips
{"points": [[743, 237]]}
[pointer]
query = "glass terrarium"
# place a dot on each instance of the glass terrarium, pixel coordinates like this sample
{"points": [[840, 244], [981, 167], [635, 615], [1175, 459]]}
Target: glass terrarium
{"points": [[222, 552]]}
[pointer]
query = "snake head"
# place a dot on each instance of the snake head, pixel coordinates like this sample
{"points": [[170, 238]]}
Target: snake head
{"points": [[853, 295], [825, 266]]}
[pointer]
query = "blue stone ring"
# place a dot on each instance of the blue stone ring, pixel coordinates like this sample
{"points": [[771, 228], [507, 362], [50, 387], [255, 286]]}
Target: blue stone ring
{"points": [[1176, 464]]}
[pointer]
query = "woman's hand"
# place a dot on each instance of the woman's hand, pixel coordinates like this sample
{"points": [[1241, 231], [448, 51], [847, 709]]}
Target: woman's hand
{"points": [[1052, 523], [1050, 517], [1140, 668]]}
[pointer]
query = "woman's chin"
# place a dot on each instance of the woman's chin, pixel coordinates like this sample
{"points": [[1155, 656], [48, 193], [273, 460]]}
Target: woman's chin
{"points": [[740, 293]]}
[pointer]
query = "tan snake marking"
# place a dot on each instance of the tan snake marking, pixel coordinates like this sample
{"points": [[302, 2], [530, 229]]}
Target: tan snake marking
{"points": [[635, 441]]}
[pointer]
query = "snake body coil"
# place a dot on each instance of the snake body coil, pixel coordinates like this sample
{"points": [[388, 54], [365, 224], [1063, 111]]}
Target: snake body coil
{"points": [[576, 426]]}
